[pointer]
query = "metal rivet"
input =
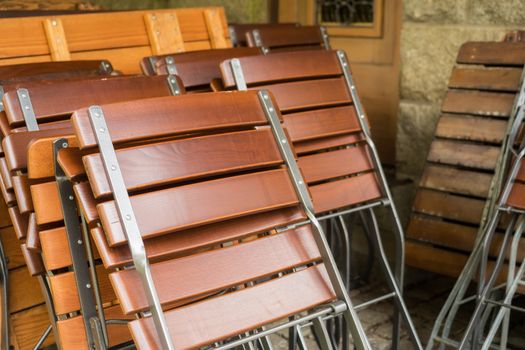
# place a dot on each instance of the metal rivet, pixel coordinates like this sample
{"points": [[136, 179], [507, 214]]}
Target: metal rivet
{"points": [[362, 116], [352, 87], [79, 242], [172, 80], [128, 217], [344, 64], [71, 198], [154, 17], [179, 50], [26, 107], [158, 33], [64, 145], [54, 23], [300, 182], [265, 96], [88, 286], [102, 130], [59, 41], [169, 60], [283, 140], [177, 92], [270, 109], [24, 95]]}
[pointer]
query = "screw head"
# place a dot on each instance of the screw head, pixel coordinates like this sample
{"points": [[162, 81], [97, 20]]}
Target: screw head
{"points": [[128, 217], [64, 145], [102, 130], [79, 242], [113, 167], [88, 286], [283, 141], [71, 198]]}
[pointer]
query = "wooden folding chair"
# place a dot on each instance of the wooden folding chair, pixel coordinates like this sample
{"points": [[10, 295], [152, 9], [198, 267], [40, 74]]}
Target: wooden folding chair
{"points": [[38, 109], [194, 222], [238, 31], [283, 38], [327, 125], [196, 69]]}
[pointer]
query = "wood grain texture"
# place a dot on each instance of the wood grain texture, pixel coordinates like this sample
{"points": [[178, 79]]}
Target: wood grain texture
{"points": [[290, 37], [309, 146], [471, 128], [11, 248], [251, 261], [344, 193], [212, 17], [492, 53], [449, 206], [56, 39], [40, 156], [498, 79], [517, 196], [35, 265], [464, 154], [22, 193], [22, 73], [32, 237], [164, 32], [494, 104], [5, 175], [201, 203], [449, 179], [46, 202], [55, 248], [255, 306], [429, 258], [4, 215], [330, 165], [197, 239], [28, 326], [18, 221], [21, 280]]}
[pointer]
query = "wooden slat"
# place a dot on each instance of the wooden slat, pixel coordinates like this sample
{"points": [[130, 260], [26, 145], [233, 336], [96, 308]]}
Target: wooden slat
{"points": [[26, 38], [65, 293], [172, 115], [499, 79], [4, 215], [8, 196], [40, 157], [449, 206], [327, 143], [176, 161], [32, 237], [28, 326], [46, 203], [18, 221], [290, 36], [124, 60], [22, 193], [202, 203], [448, 179], [329, 165], [428, 258], [56, 39], [72, 332], [5, 175], [34, 263], [255, 306], [197, 239], [517, 196], [309, 94], [343, 193], [54, 241], [494, 104], [463, 154], [212, 17], [164, 32], [251, 261], [21, 280], [471, 128], [283, 67], [492, 53], [11, 248], [321, 123]]}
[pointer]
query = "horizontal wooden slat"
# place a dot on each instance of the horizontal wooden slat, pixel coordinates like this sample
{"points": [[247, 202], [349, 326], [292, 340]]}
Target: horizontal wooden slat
{"points": [[449, 206], [321, 123], [255, 306], [21, 280], [492, 53], [172, 115], [330, 165], [175, 161], [346, 192], [4, 215], [125, 60], [499, 79], [199, 238], [290, 36], [183, 279], [494, 104], [471, 128], [34, 263], [54, 241], [5, 175], [202, 203], [65, 293], [27, 37], [463, 154], [454, 180], [327, 143], [517, 196], [46, 203], [428, 258], [307, 94]]}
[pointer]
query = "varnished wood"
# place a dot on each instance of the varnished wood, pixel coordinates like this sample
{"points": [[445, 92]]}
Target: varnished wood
{"points": [[492, 53], [426, 257], [28, 326], [213, 18], [164, 32], [46, 203], [56, 39], [463, 154], [327, 143], [8, 196], [11, 246], [21, 280], [288, 38], [450, 179], [22, 193], [55, 248], [5, 175], [471, 128], [493, 104], [262, 304], [241, 29], [18, 221], [33, 237], [40, 156], [33, 260], [517, 196], [498, 79]]}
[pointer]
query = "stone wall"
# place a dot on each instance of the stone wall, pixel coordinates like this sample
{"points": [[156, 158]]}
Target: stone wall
{"points": [[432, 33]]}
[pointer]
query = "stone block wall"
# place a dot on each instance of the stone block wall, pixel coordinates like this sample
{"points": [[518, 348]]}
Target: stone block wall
{"points": [[432, 32]]}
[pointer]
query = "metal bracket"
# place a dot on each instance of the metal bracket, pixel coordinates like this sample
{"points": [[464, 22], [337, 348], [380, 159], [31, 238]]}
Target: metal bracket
{"points": [[238, 75], [152, 62], [170, 65], [258, 42], [1, 98], [106, 67], [129, 221], [76, 244], [174, 85], [233, 36], [326, 40], [27, 109]]}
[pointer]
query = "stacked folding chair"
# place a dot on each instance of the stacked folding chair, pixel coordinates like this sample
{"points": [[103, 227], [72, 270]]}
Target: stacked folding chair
{"points": [[41, 108], [239, 31], [283, 38], [469, 159], [328, 128]]}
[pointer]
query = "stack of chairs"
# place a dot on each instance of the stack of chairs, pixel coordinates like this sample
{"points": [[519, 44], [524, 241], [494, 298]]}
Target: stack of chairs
{"points": [[239, 31], [462, 195]]}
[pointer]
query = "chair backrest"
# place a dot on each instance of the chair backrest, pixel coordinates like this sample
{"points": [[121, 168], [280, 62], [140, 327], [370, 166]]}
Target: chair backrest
{"points": [[275, 39], [196, 69], [177, 170], [321, 119], [238, 31], [121, 37]]}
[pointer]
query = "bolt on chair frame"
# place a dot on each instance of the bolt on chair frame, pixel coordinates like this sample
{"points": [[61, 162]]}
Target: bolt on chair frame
{"points": [[140, 260], [457, 297], [394, 280]]}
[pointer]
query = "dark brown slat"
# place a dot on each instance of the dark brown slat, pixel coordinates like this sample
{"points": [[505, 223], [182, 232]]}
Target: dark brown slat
{"points": [[329, 165], [199, 238], [50, 70], [326, 143], [22, 193], [471, 128], [247, 262], [321, 123], [19, 222], [48, 99], [499, 79], [4, 173], [9, 196], [172, 115], [203, 203], [33, 238], [454, 180], [449, 206], [309, 94], [492, 53], [283, 66], [521, 172], [33, 260], [86, 201], [290, 36], [255, 306], [175, 161], [343, 193], [429, 258], [517, 196], [463, 154], [241, 29], [494, 104]]}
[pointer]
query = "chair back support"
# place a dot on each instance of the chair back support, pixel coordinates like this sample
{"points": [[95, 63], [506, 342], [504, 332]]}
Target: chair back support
{"points": [[238, 31], [283, 38]]}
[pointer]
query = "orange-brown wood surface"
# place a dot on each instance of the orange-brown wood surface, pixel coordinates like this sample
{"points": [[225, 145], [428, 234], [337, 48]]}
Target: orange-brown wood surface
{"points": [[304, 147], [494, 104], [40, 156], [517, 196], [492, 53], [20, 280], [471, 128], [289, 37], [28, 326], [34, 263], [499, 79], [18, 221], [11, 248], [5, 175], [46, 203], [203, 323], [22, 193]]}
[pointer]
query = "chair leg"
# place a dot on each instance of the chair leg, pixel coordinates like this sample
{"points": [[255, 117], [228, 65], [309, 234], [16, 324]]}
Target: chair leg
{"points": [[325, 343]]}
